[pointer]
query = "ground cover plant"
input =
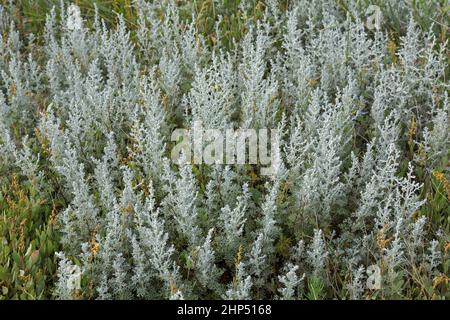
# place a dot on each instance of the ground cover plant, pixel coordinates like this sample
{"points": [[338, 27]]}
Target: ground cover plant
{"points": [[93, 205]]}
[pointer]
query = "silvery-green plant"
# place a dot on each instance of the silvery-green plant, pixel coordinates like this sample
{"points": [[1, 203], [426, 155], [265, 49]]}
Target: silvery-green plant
{"points": [[86, 114], [290, 282]]}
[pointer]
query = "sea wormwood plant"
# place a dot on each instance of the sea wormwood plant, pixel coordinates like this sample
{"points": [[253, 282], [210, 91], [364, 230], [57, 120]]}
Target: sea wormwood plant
{"points": [[88, 104]]}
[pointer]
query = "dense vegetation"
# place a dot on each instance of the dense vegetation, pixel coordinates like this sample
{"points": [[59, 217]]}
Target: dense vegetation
{"points": [[90, 93]]}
